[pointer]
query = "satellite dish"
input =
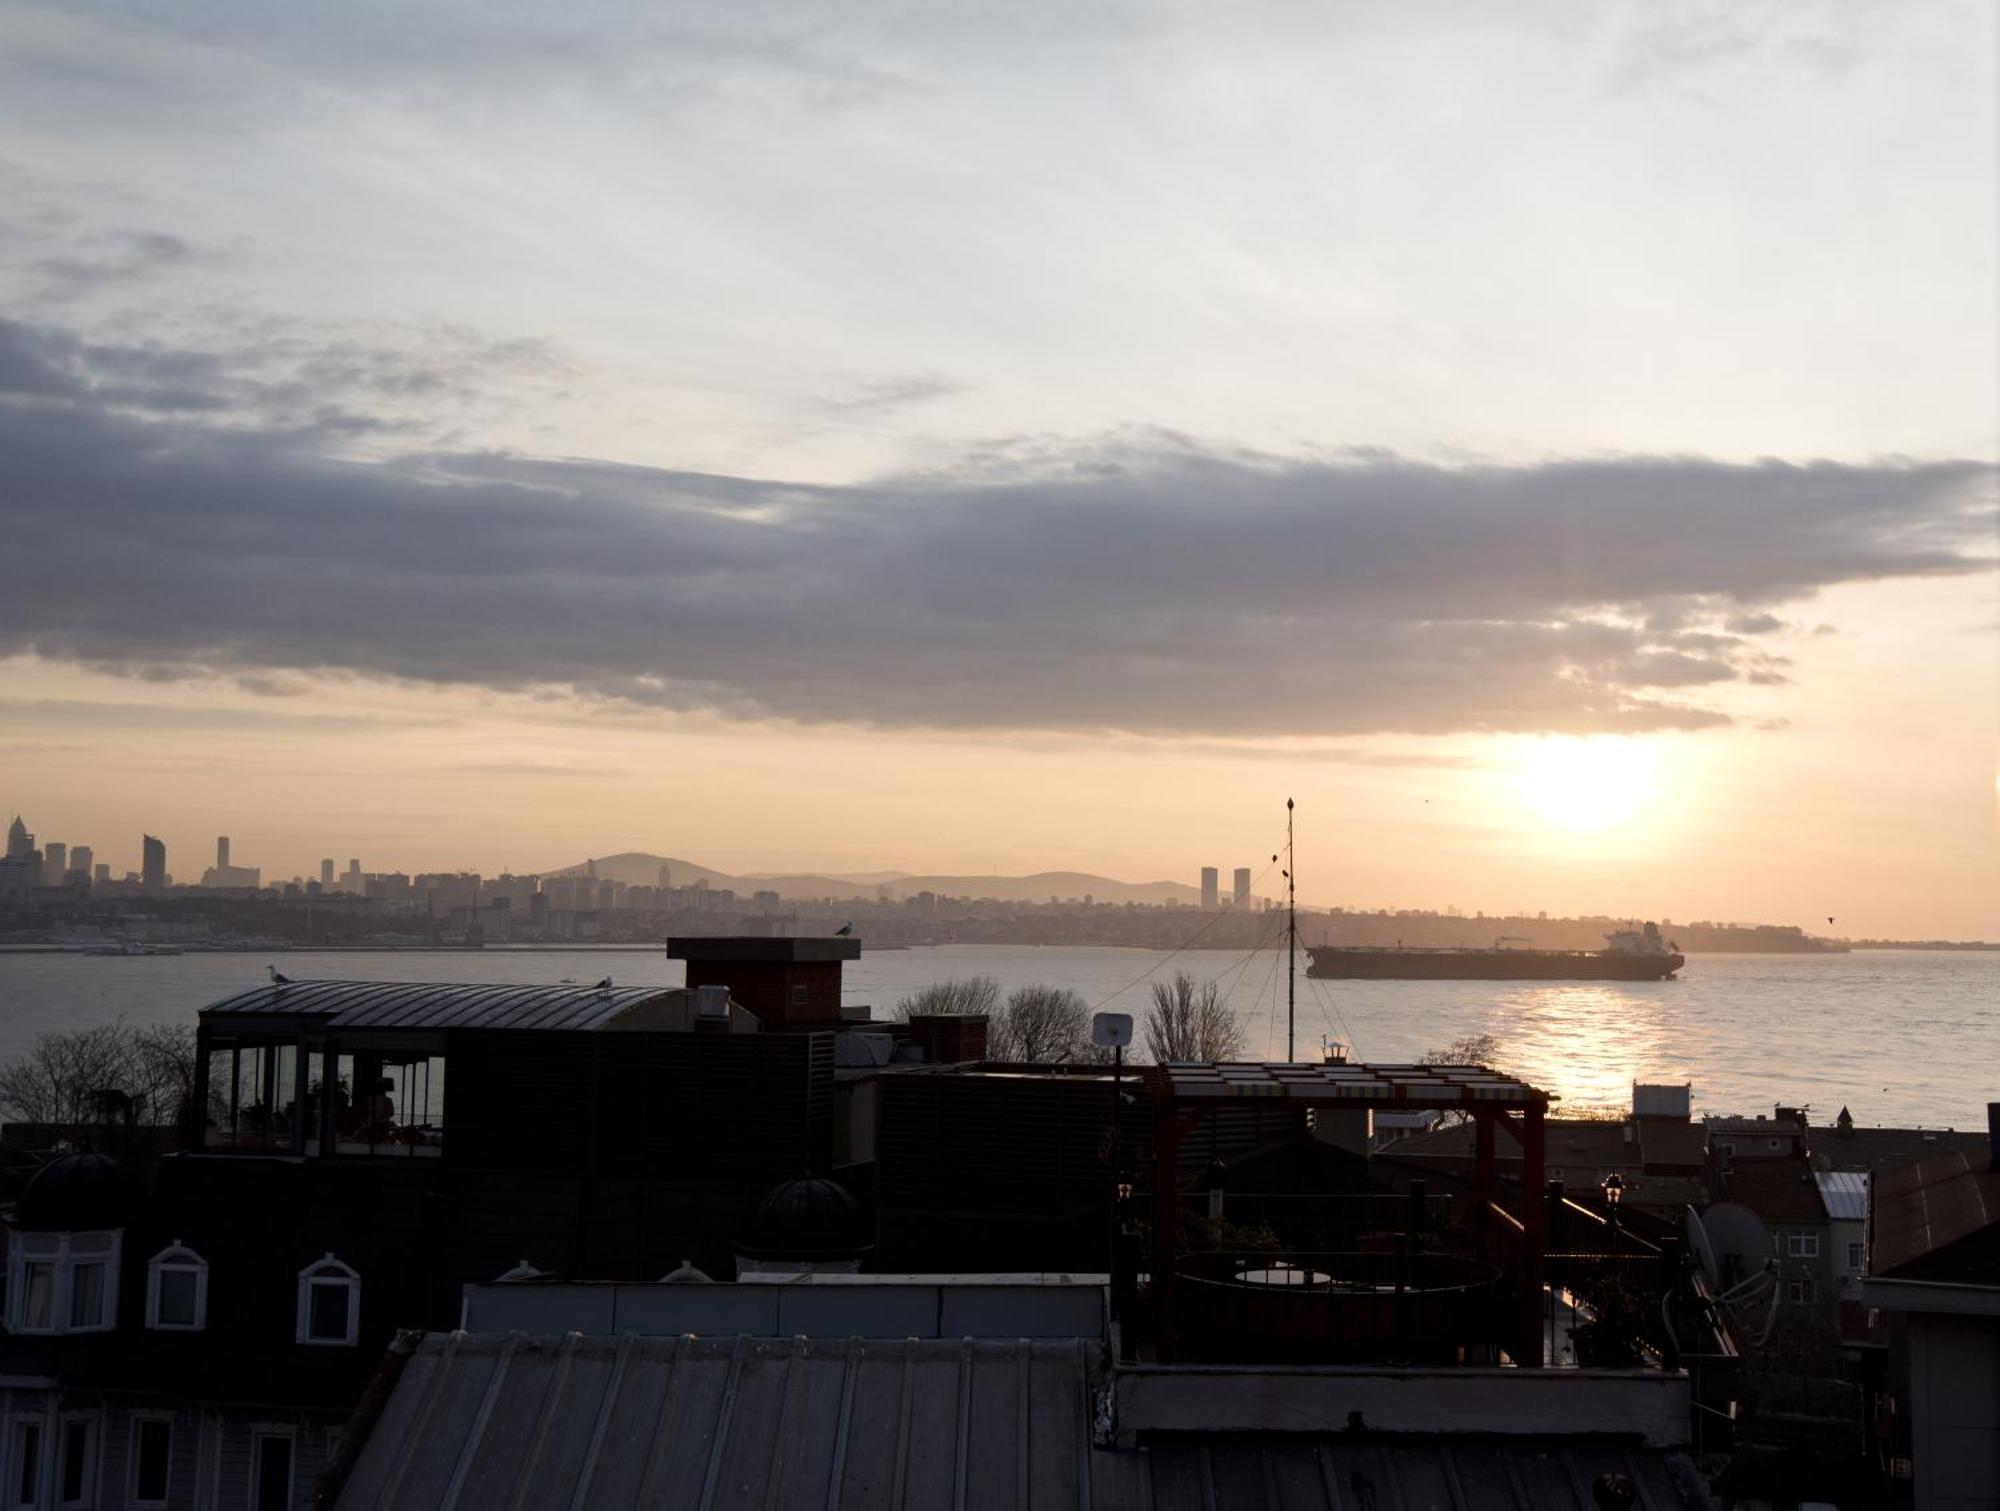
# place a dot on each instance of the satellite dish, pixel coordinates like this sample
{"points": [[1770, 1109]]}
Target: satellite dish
{"points": [[1111, 1030], [1737, 1257], [1739, 1241]]}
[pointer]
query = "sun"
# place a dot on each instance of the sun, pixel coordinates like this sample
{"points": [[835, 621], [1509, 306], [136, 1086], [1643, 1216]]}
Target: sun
{"points": [[1589, 784]]}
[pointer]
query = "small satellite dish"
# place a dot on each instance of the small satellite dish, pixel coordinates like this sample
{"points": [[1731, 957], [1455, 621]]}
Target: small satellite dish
{"points": [[1111, 1030]]}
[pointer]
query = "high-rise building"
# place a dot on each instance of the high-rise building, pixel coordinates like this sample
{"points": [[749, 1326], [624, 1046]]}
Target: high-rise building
{"points": [[666, 877], [55, 861], [1210, 888], [350, 880], [101, 872], [222, 852], [20, 843], [152, 862], [326, 874], [1241, 895], [81, 859]]}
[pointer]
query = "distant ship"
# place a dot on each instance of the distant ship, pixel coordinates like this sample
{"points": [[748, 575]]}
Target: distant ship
{"points": [[1629, 955]]}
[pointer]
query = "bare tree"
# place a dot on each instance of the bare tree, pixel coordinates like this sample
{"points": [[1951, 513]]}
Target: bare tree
{"points": [[1189, 1022], [1473, 1049], [1041, 1025], [89, 1075], [960, 997], [65, 1078]]}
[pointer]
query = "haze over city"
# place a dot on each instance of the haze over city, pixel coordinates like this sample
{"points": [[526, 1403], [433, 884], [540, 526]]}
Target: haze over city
{"points": [[1555, 447]]}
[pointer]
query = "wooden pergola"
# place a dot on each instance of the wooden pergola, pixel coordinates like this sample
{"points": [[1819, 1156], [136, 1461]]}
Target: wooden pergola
{"points": [[1182, 1095]]}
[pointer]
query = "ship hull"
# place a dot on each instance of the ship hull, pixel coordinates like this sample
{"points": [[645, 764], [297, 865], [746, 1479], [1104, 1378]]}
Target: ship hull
{"points": [[1348, 963]]}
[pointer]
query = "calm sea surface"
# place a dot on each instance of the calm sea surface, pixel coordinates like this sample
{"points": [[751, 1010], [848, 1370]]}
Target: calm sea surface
{"points": [[1899, 1037]]}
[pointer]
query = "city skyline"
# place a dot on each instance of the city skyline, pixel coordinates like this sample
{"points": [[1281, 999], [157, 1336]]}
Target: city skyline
{"points": [[1557, 452]]}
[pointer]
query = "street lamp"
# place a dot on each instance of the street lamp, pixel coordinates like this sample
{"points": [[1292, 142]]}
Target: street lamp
{"points": [[1614, 1193]]}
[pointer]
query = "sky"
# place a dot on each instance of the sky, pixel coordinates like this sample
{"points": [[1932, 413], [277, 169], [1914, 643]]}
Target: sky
{"points": [[1555, 443]]}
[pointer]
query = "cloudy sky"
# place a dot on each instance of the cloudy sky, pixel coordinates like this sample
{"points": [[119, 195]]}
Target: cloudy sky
{"points": [[1553, 442]]}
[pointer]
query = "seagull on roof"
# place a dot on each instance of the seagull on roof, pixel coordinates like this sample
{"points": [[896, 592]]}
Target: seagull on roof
{"points": [[843, 931], [276, 979], [604, 985]]}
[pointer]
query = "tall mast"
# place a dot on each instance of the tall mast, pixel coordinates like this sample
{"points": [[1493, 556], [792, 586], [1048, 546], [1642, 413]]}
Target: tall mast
{"points": [[1291, 940]]}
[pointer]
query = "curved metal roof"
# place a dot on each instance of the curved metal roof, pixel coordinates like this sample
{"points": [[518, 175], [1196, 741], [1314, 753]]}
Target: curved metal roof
{"points": [[433, 1005]]}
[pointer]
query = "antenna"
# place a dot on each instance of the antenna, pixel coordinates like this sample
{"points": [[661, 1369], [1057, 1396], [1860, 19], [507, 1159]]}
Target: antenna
{"points": [[1291, 941]]}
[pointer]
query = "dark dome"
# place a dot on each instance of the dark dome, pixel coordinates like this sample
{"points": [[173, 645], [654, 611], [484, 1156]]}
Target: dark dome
{"points": [[812, 1218], [78, 1192]]}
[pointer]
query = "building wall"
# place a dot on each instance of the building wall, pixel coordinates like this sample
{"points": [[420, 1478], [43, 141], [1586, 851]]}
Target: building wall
{"points": [[210, 1458], [1955, 1411]]}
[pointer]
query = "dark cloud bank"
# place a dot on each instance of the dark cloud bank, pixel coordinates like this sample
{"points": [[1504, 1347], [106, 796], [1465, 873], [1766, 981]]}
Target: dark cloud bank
{"points": [[1143, 584]]}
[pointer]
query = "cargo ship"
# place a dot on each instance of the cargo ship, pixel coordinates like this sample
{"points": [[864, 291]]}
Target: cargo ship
{"points": [[1629, 955]]}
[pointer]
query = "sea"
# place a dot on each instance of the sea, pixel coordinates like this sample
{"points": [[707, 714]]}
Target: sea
{"points": [[1907, 1038]]}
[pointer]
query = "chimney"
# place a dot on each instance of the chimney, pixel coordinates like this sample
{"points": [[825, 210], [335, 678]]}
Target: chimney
{"points": [[711, 1009]]}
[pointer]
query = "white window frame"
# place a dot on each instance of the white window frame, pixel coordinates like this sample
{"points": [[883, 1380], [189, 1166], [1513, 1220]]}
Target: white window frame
{"points": [[329, 1270], [93, 1464], [1802, 1292], [1857, 1255], [177, 1256], [61, 1253], [138, 1420], [258, 1435], [1802, 1245]]}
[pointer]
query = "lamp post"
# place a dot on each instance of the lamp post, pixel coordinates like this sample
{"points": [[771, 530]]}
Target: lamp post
{"points": [[1614, 1193]]}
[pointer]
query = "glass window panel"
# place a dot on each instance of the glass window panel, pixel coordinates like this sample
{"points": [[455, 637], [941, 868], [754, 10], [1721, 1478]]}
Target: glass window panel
{"points": [[328, 1310], [90, 1243], [176, 1303], [75, 1463], [152, 1454], [274, 1474], [40, 1284], [27, 1462], [86, 1295]]}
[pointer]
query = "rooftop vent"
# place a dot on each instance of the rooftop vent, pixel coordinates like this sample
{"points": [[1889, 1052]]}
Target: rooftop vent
{"points": [[711, 1002]]}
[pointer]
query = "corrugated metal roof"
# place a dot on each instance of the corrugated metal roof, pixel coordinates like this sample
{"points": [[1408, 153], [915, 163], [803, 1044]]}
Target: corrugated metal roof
{"points": [[718, 1424], [1364, 1085], [1845, 1193], [433, 1005]]}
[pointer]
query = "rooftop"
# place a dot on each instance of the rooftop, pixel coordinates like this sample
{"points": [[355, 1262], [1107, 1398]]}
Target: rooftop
{"points": [[1357, 1085], [1922, 1211], [719, 1422], [1777, 1190], [760, 949], [1845, 1193], [434, 1005]]}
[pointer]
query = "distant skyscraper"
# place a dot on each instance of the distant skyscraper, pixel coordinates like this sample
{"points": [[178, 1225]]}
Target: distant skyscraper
{"points": [[20, 843], [152, 862], [222, 852], [326, 874], [1242, 893], [1210, 888], [101, 872], [55, 861], [80, 859], [666, 877]]}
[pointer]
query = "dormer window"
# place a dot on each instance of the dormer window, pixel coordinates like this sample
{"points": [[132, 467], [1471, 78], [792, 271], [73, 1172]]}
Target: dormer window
{"points": [[177, 1290], [63, 1282], [329, 1303]]}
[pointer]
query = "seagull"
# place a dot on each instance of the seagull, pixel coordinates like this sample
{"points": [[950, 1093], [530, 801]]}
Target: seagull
{"points": [[276, 979], [604, 985], [843, 931]]}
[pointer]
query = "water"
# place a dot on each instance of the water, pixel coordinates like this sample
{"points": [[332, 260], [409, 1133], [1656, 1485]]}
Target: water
{"points": [[1900, 1037]]}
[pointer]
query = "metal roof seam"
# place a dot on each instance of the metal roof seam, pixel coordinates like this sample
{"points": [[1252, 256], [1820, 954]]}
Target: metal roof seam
{"points": [[720, 1437], [551, 1410], [462, 1470]]}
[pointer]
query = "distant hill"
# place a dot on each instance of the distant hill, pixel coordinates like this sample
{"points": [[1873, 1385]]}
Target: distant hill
{"points": [[639, 868]]}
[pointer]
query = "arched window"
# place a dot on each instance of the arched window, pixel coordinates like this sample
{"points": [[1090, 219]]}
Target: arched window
{"points": [[177, 1290], [63, 1282], [329, 1303]]}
